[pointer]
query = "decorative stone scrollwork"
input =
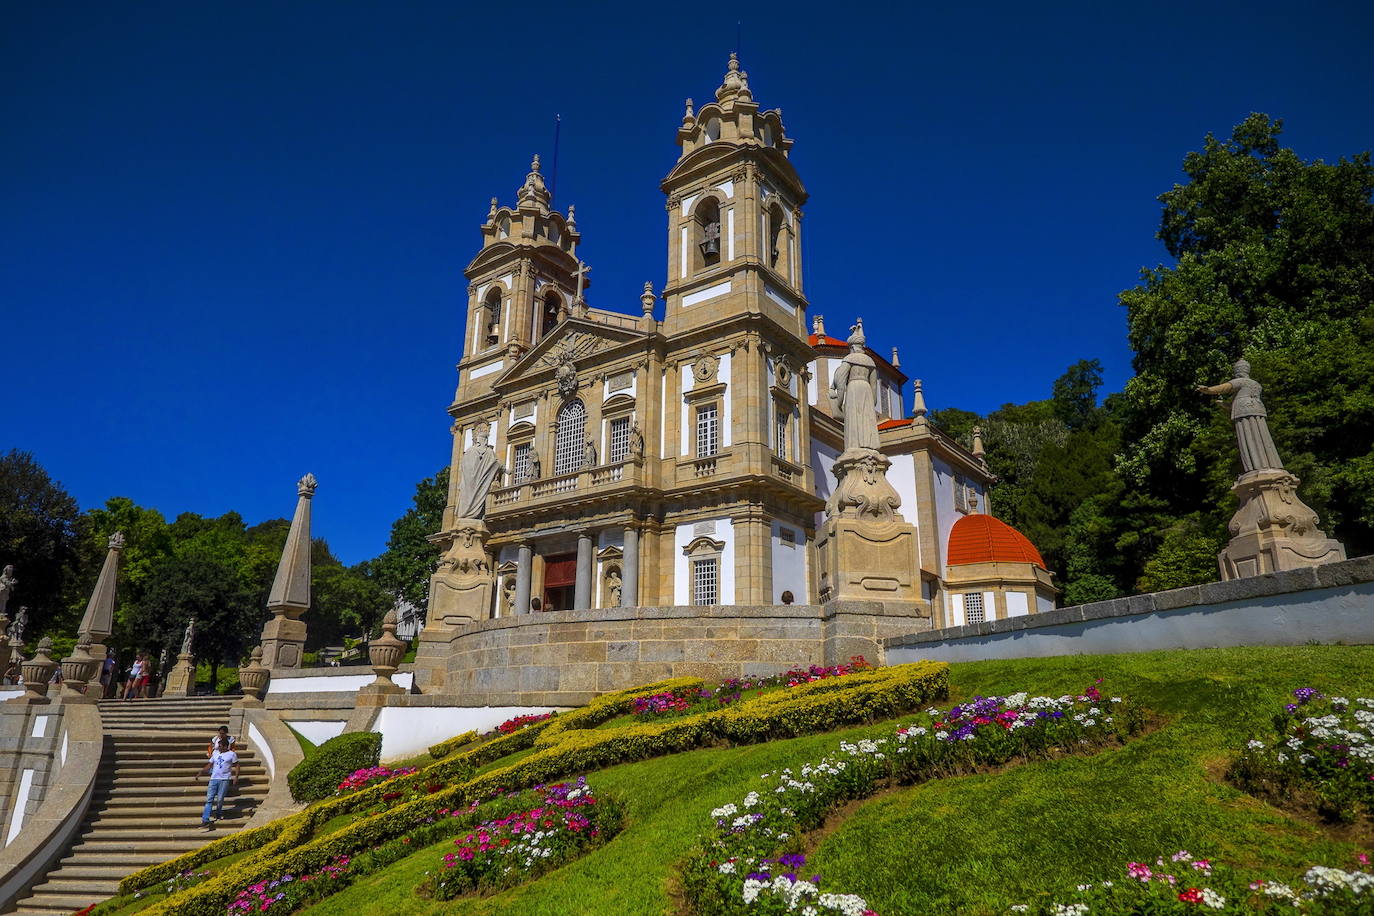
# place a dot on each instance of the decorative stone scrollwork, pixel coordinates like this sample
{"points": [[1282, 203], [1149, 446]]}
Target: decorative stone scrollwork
{"points": [[565, 377], [673, 203], [862, 490], [782, 372], [705, 367]]}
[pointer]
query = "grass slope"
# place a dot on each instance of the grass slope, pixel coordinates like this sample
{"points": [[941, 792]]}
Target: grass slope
{"points": [[976, 844]]}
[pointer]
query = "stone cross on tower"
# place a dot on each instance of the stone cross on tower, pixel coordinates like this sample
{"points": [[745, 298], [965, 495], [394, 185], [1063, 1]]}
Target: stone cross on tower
{"points": [[283, 638]]}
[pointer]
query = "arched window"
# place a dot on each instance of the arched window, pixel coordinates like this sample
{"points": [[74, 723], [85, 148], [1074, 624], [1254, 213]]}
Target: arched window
{"points": [[570, 437], [491, 318], [776, 240], [503, 227], [707, 231], [712, 131]]}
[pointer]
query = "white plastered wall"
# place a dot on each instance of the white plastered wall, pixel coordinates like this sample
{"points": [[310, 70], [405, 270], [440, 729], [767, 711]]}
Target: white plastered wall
{"points": [[945, 513], [789, 564], [822, 465], [1017, 605], [682, 564]]}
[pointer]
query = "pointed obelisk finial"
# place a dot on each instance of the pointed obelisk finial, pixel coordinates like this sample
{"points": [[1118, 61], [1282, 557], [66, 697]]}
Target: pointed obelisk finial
{"points": [[978, 445], [98, 622], [918, 403], [896, 360], [689, 117], [283, 638]]}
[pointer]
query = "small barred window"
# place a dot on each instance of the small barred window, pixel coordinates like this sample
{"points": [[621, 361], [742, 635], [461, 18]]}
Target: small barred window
{"points": [[707, 431], [706, 581], [973, 607], [620, 440]]}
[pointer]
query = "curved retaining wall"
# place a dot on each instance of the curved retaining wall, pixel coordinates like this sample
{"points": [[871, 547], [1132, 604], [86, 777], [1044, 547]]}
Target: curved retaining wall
{"points": [[567, 658]]}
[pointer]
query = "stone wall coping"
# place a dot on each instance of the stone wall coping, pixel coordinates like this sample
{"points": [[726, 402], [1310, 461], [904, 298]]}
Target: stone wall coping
{"points": [[285, 753], [43, 838], [331, 699], [332, 671], [1330, 575]]}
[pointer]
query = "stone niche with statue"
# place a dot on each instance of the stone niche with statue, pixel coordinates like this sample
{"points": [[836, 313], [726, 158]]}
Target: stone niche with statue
{"points": [[865, 549]]}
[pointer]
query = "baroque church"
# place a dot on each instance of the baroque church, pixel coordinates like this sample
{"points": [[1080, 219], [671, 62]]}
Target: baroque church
{"points": [[683, 452]]}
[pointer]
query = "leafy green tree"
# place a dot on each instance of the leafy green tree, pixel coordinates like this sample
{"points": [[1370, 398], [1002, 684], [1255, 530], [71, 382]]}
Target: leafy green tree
{"points": [[405, 567], [195, 585], [147, 542], [39, 536], [1274, 261], [1075, 393]]}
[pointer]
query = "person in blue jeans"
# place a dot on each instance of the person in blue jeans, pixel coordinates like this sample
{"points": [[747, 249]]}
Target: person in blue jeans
{"points": [[223, 768]]}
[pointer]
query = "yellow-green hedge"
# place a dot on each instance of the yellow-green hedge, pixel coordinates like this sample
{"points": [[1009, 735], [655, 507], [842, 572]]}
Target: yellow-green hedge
{"points": [[574, 746], [444, 748]]}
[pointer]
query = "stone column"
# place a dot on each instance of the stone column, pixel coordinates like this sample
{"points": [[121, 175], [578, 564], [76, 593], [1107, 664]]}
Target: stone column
{"points": [[524, 572], [582, 591], [629, 594]]}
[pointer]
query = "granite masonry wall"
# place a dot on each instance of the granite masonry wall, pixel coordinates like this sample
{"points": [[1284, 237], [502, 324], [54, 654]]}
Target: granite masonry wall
{"points": [[567, 658], [1333, 603]]}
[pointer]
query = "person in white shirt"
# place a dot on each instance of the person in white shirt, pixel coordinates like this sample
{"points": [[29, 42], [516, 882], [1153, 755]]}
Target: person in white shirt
{"points": [[221, 735], [224, 771]]}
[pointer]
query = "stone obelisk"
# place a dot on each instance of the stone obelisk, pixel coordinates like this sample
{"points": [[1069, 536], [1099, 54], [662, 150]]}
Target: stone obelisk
{"points": [[283, 638], [1272, 529], [98, 622], [865, 549]]}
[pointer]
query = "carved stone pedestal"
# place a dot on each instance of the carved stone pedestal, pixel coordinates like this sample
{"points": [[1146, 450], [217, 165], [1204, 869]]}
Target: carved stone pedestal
{"points": [[865, 549], [181, 682], [461, 590], [1273, 529], [283, 639]]}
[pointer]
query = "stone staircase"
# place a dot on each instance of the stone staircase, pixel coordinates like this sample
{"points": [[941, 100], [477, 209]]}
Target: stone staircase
{"points": [[148, 797]]}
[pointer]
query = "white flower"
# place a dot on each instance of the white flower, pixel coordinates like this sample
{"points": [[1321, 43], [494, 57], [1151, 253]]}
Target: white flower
{"points": [[725, 811], [1212, 899], [1255, 745], [727, 868], [1070, 909]]}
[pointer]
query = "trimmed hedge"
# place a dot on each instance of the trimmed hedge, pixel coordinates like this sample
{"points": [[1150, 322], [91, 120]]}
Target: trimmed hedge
{"points": [[444, 748], [566, 745], [318, 776]]}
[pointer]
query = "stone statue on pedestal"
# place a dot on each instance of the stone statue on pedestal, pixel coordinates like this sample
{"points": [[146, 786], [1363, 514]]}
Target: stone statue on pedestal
{"points": [[1272, 529], [187, 638], [7, 584], [865, 549], [477, 472], [181, 680]]}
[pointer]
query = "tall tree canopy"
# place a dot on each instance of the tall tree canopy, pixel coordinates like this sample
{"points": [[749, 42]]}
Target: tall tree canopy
{"points": [[38, 535], [410, 559]]}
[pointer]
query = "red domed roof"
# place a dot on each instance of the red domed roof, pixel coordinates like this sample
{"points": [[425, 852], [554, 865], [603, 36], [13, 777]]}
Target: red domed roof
{"points": [[984, 539]]}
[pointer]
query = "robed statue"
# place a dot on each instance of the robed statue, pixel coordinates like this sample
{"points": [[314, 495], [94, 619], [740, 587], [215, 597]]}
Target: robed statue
{"points": [[7, 584], [189, 635], [476, 473], [853, 390], [1250, 419]]}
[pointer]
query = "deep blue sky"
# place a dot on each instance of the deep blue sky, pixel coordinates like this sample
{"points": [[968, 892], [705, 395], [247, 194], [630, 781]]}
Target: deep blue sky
{"points": [[232, 235]]}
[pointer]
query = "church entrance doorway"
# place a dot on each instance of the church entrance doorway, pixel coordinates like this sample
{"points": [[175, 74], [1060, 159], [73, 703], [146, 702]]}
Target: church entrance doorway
{"points": [[560, 578]]}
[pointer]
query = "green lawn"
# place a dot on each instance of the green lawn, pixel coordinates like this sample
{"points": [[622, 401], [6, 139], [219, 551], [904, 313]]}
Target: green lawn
{"points": [[975, 844]]}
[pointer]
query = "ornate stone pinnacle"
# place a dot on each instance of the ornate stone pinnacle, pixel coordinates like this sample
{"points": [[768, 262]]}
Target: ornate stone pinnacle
{"points": [[689, 116], [306, 486], [491, 212], [534, 163], [818, 325], [896, 361], [572, 217], [117, 541], [918, 402], [647, 298]]}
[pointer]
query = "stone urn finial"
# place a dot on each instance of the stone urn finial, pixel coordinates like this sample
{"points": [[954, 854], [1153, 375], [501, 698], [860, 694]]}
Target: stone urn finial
{"points": [[38, 672], [77, 671], [385, 653], [253, 678]]}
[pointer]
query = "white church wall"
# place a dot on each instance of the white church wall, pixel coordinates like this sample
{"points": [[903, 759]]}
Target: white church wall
{"points": [[945, 513], [813, 388], [1043, 604], [822, 464], [789, 564], [723, 375], [902, 475], [720, 529], [318, 731], [1017, 605], [956, 611]]}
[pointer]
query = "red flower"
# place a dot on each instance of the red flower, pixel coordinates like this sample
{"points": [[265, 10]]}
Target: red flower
{"points": [[1191, 895]]}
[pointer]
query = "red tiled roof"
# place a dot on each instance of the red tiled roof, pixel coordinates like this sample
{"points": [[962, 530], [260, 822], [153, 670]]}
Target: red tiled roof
{"points": [[893, 424], [984, 539], [827, 341]]}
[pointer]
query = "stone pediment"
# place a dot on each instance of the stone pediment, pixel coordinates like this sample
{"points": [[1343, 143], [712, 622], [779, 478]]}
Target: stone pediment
{"points": [[572, 347]]}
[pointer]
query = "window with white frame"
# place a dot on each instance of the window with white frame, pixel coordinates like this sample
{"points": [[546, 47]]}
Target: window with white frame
{"points": [[780, 434], [570, 438], [520, 462], [708, 431], [619, 440], [492, 318], [973, 607], [706, 581]]}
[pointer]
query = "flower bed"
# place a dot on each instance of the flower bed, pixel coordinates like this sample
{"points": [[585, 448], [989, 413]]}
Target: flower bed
{"points": [[750, 861], [564, 745], [371, 776], [289, 892], [568, 821], [1323, 749], [519, 722], [1184, 883], [732, 690]]}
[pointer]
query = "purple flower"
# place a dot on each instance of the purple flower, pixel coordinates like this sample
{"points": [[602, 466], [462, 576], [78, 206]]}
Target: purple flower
{"points": [[795, 860]]}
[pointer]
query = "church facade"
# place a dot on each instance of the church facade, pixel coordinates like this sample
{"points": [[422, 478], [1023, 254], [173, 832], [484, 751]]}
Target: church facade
{"points": [[682, 452]]}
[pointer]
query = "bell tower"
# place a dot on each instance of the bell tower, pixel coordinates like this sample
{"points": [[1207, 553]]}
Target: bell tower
{"points": [[734, 215]]}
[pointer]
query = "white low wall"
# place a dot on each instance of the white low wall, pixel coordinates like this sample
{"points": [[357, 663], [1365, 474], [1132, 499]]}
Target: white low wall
{"points": [[408, 730], [336, 683], [317, 731]]}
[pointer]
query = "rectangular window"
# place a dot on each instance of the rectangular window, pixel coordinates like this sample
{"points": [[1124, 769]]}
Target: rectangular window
{"points": [[707, 432], [620, 440], [520, 462], [973, 607], [706, 581], [780, 433]]}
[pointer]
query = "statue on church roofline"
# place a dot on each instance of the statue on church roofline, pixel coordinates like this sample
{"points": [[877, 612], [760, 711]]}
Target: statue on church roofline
{"points": [[853, 389]]}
